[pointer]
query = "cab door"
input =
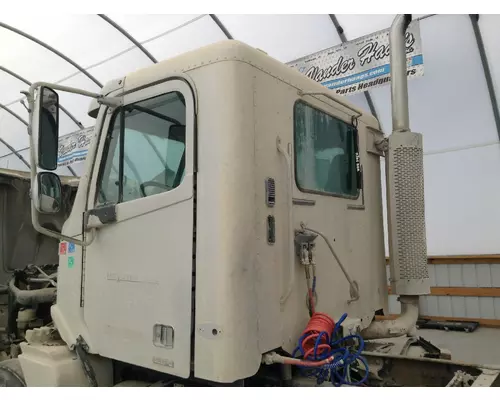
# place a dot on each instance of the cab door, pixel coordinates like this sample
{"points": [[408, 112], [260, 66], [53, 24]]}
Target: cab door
{"points": [[138, 270]]}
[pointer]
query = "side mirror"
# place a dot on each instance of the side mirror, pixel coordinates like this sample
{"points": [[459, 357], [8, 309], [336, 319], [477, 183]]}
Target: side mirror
{"points": [[47, 130], [47, 193]]}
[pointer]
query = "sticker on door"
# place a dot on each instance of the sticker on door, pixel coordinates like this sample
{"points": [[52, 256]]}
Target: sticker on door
{"points": [[62, 248], [71, 262]]}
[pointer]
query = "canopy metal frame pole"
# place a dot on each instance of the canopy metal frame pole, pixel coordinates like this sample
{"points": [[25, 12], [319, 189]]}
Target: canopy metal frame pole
{"points": [[59, 54], [221, 26], [4, 142], [52, 50], [129, 37], [27, 82], [474, 18]]}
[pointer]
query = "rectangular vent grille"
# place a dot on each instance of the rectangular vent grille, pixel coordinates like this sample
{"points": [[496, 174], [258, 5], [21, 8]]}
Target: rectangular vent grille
{"points": [[271, 230], [270, 192]]}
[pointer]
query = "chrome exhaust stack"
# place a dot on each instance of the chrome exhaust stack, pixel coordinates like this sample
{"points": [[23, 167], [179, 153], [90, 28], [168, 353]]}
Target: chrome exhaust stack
{"points": [[404, 165]]}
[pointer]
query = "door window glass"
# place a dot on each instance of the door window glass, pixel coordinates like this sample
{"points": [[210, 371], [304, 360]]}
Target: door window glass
{"points": [[145, 150]]}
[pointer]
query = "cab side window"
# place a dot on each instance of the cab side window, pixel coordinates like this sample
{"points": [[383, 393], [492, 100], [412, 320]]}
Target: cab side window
{"points": [[145, 150], [325, 153]]}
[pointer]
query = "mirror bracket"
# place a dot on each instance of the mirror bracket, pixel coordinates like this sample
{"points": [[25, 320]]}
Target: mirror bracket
{"points": [[113, 102]]}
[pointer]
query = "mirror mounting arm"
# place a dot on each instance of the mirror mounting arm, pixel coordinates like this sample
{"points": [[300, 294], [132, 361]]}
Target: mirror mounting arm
{"points": [[62, 88], [113, 102], [60, 236], [109, 101]]}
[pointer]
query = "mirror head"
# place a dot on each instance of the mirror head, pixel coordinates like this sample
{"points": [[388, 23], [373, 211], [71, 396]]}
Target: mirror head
{"points": [[48, 193], [48, 128]]}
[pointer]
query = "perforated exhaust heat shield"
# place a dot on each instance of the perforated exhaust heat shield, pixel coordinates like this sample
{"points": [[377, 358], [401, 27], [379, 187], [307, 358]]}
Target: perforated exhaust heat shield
{"points": [[406, 212]]}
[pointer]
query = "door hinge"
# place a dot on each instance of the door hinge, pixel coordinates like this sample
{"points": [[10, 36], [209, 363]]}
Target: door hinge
{"points": [[81, 349]]}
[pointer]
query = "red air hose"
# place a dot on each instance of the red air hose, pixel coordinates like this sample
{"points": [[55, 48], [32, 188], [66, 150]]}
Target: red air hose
{"points": [[312, 345], [319, 323], [320, 352]]}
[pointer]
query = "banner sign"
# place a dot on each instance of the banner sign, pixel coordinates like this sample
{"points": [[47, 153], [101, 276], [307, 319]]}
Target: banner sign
{"points": [[74, 147], [361, 64]]}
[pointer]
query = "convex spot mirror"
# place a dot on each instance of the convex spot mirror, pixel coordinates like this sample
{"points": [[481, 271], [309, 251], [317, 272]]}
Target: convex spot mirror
{"points": [[47, 194], [48, 128]]}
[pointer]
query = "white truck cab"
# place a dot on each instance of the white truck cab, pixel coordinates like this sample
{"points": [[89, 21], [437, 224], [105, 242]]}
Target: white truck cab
{"points": [[227, 200], [202, 168]]}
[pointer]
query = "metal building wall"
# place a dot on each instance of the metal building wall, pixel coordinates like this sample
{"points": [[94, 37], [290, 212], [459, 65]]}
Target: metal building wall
{"points": [[469, 291]]}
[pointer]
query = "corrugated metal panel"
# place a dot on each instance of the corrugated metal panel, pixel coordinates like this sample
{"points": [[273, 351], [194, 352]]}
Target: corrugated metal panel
{"points": [[423, 306], [469, 273], [483, 275], [497, 307], [432, 274], [495, 275], [472, 307], [394, 305], [457, 275], [487, 307], [442, 275], [458, 307], [453, 306], [432, 305], [444, 305]]}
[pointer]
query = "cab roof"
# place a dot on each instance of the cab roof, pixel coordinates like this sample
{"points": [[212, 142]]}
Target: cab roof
{"points": [[233, 50]]}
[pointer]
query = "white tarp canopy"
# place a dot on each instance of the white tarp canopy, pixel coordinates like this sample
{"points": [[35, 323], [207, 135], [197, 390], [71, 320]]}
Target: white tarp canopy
{"points": [[452, 104]]}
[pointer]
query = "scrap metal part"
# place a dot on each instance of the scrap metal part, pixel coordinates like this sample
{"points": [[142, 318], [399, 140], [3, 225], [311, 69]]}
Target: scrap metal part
{"points": [[400, 370], [11, 373], [461, 379]]}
